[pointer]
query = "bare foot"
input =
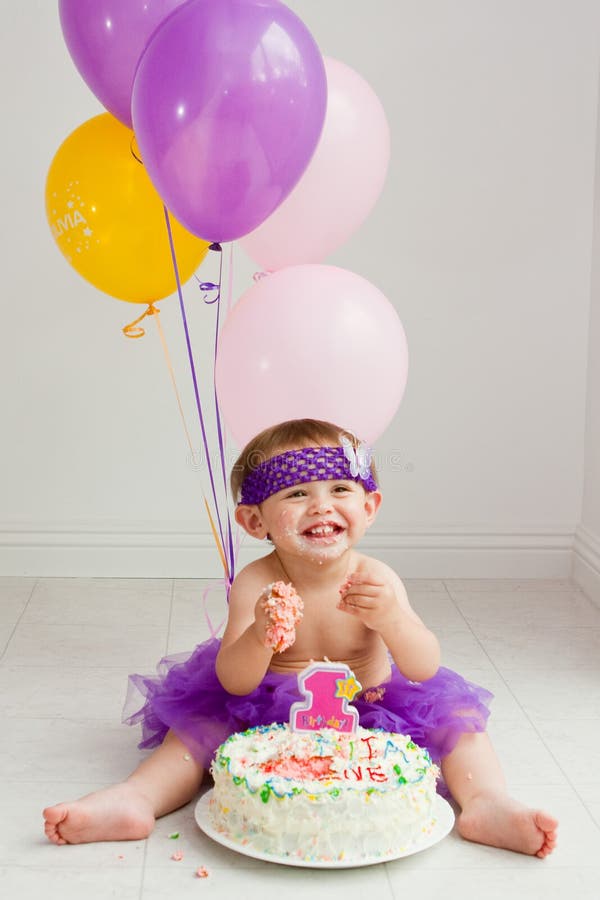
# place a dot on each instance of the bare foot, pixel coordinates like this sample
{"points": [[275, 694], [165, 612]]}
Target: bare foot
{"points": [[500, 821], [116, 813]]}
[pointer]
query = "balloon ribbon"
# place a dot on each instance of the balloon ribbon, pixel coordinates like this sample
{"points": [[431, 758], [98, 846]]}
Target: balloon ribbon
{"points": [[229, 569], [134, 329]]}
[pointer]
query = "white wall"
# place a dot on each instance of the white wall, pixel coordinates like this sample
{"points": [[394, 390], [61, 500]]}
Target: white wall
{"points": [[482, 240], [586, 560]]}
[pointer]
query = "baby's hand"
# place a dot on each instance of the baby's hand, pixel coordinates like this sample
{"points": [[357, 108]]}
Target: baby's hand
{"points": [[371, 600], [280, 612], [261, 619]]}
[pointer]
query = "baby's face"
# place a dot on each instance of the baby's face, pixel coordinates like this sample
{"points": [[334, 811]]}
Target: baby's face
{"points": [[320, 519]]}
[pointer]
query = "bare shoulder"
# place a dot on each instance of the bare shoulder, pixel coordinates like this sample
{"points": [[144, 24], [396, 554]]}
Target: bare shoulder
{"points": [[381, 571], [250, 581], [243, 597]]}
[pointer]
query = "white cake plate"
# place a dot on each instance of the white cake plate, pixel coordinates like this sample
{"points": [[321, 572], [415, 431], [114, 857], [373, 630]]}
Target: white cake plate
{"points": [[444, 821]]}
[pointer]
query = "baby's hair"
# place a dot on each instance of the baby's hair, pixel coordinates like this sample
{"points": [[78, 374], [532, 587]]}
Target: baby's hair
{"points": [[291, 435]]}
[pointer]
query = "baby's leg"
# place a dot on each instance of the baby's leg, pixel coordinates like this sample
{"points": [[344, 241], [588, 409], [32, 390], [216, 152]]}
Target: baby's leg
{"points": [[489, 815], [164, 781]]}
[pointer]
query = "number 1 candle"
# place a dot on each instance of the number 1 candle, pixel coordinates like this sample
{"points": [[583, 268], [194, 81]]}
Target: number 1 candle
{"points": [[328, 689]]}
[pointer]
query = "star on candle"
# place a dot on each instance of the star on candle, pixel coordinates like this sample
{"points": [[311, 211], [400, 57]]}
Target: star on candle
{"points": [[347, 687]]}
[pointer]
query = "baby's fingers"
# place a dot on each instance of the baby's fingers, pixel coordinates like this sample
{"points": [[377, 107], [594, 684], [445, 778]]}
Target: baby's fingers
{"points": [[364, 578], [361, 592], [347, 608], [357, 602]]}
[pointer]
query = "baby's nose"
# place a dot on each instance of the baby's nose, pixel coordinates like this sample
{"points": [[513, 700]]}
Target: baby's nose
{"points": [[321, 505]]}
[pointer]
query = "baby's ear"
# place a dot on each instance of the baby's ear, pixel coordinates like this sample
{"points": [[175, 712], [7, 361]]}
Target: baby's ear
{"points": [[250, 519], [372, 504]]}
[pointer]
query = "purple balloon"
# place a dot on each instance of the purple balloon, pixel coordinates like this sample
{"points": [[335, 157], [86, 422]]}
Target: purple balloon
{"points": [[106, 39], [228, 105]]}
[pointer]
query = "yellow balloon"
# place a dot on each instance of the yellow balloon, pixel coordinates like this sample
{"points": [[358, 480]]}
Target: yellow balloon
{"points": [[108, 220]]}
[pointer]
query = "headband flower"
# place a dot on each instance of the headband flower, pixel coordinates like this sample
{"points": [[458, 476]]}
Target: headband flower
{"points": [[359, 458]]}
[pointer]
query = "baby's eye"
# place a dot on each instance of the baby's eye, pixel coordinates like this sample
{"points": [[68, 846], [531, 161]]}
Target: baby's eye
{"points": [[341, 488], [298, 493]]}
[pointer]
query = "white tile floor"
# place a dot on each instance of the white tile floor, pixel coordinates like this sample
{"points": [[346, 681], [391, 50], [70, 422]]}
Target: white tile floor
{"points": [[68, 644]]}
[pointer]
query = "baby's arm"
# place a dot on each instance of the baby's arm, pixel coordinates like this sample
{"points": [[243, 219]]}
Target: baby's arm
{"points": [[243, 659], [377, 596]]}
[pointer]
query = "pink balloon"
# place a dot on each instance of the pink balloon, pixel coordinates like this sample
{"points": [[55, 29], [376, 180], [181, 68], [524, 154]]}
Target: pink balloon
{"points": [[341, 184], [311, 341]]}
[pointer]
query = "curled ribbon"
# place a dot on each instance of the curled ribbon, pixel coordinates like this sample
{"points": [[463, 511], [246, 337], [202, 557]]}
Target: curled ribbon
{"points": [[134, 330], [209, 287]]}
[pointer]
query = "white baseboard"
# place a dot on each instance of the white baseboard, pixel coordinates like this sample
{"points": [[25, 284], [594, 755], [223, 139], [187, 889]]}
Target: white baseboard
{"points": [[86, 550], [586, 563]]}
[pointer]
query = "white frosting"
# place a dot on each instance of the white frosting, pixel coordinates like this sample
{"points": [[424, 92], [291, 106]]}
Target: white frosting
{"points": [[323, 795]]}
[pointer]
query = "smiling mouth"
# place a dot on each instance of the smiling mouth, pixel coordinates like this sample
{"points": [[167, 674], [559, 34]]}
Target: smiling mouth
{"points": [[324, 531]]}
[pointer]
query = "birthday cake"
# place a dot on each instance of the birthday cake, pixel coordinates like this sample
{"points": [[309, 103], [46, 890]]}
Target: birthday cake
{"points": [[323, 794]]}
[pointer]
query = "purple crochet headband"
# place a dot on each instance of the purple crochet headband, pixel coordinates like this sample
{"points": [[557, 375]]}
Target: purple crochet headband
{"points": [[308, 464]]}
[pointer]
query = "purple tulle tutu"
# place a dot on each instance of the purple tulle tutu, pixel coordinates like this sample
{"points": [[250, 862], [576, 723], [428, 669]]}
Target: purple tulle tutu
{"points": [[186, 697]]}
